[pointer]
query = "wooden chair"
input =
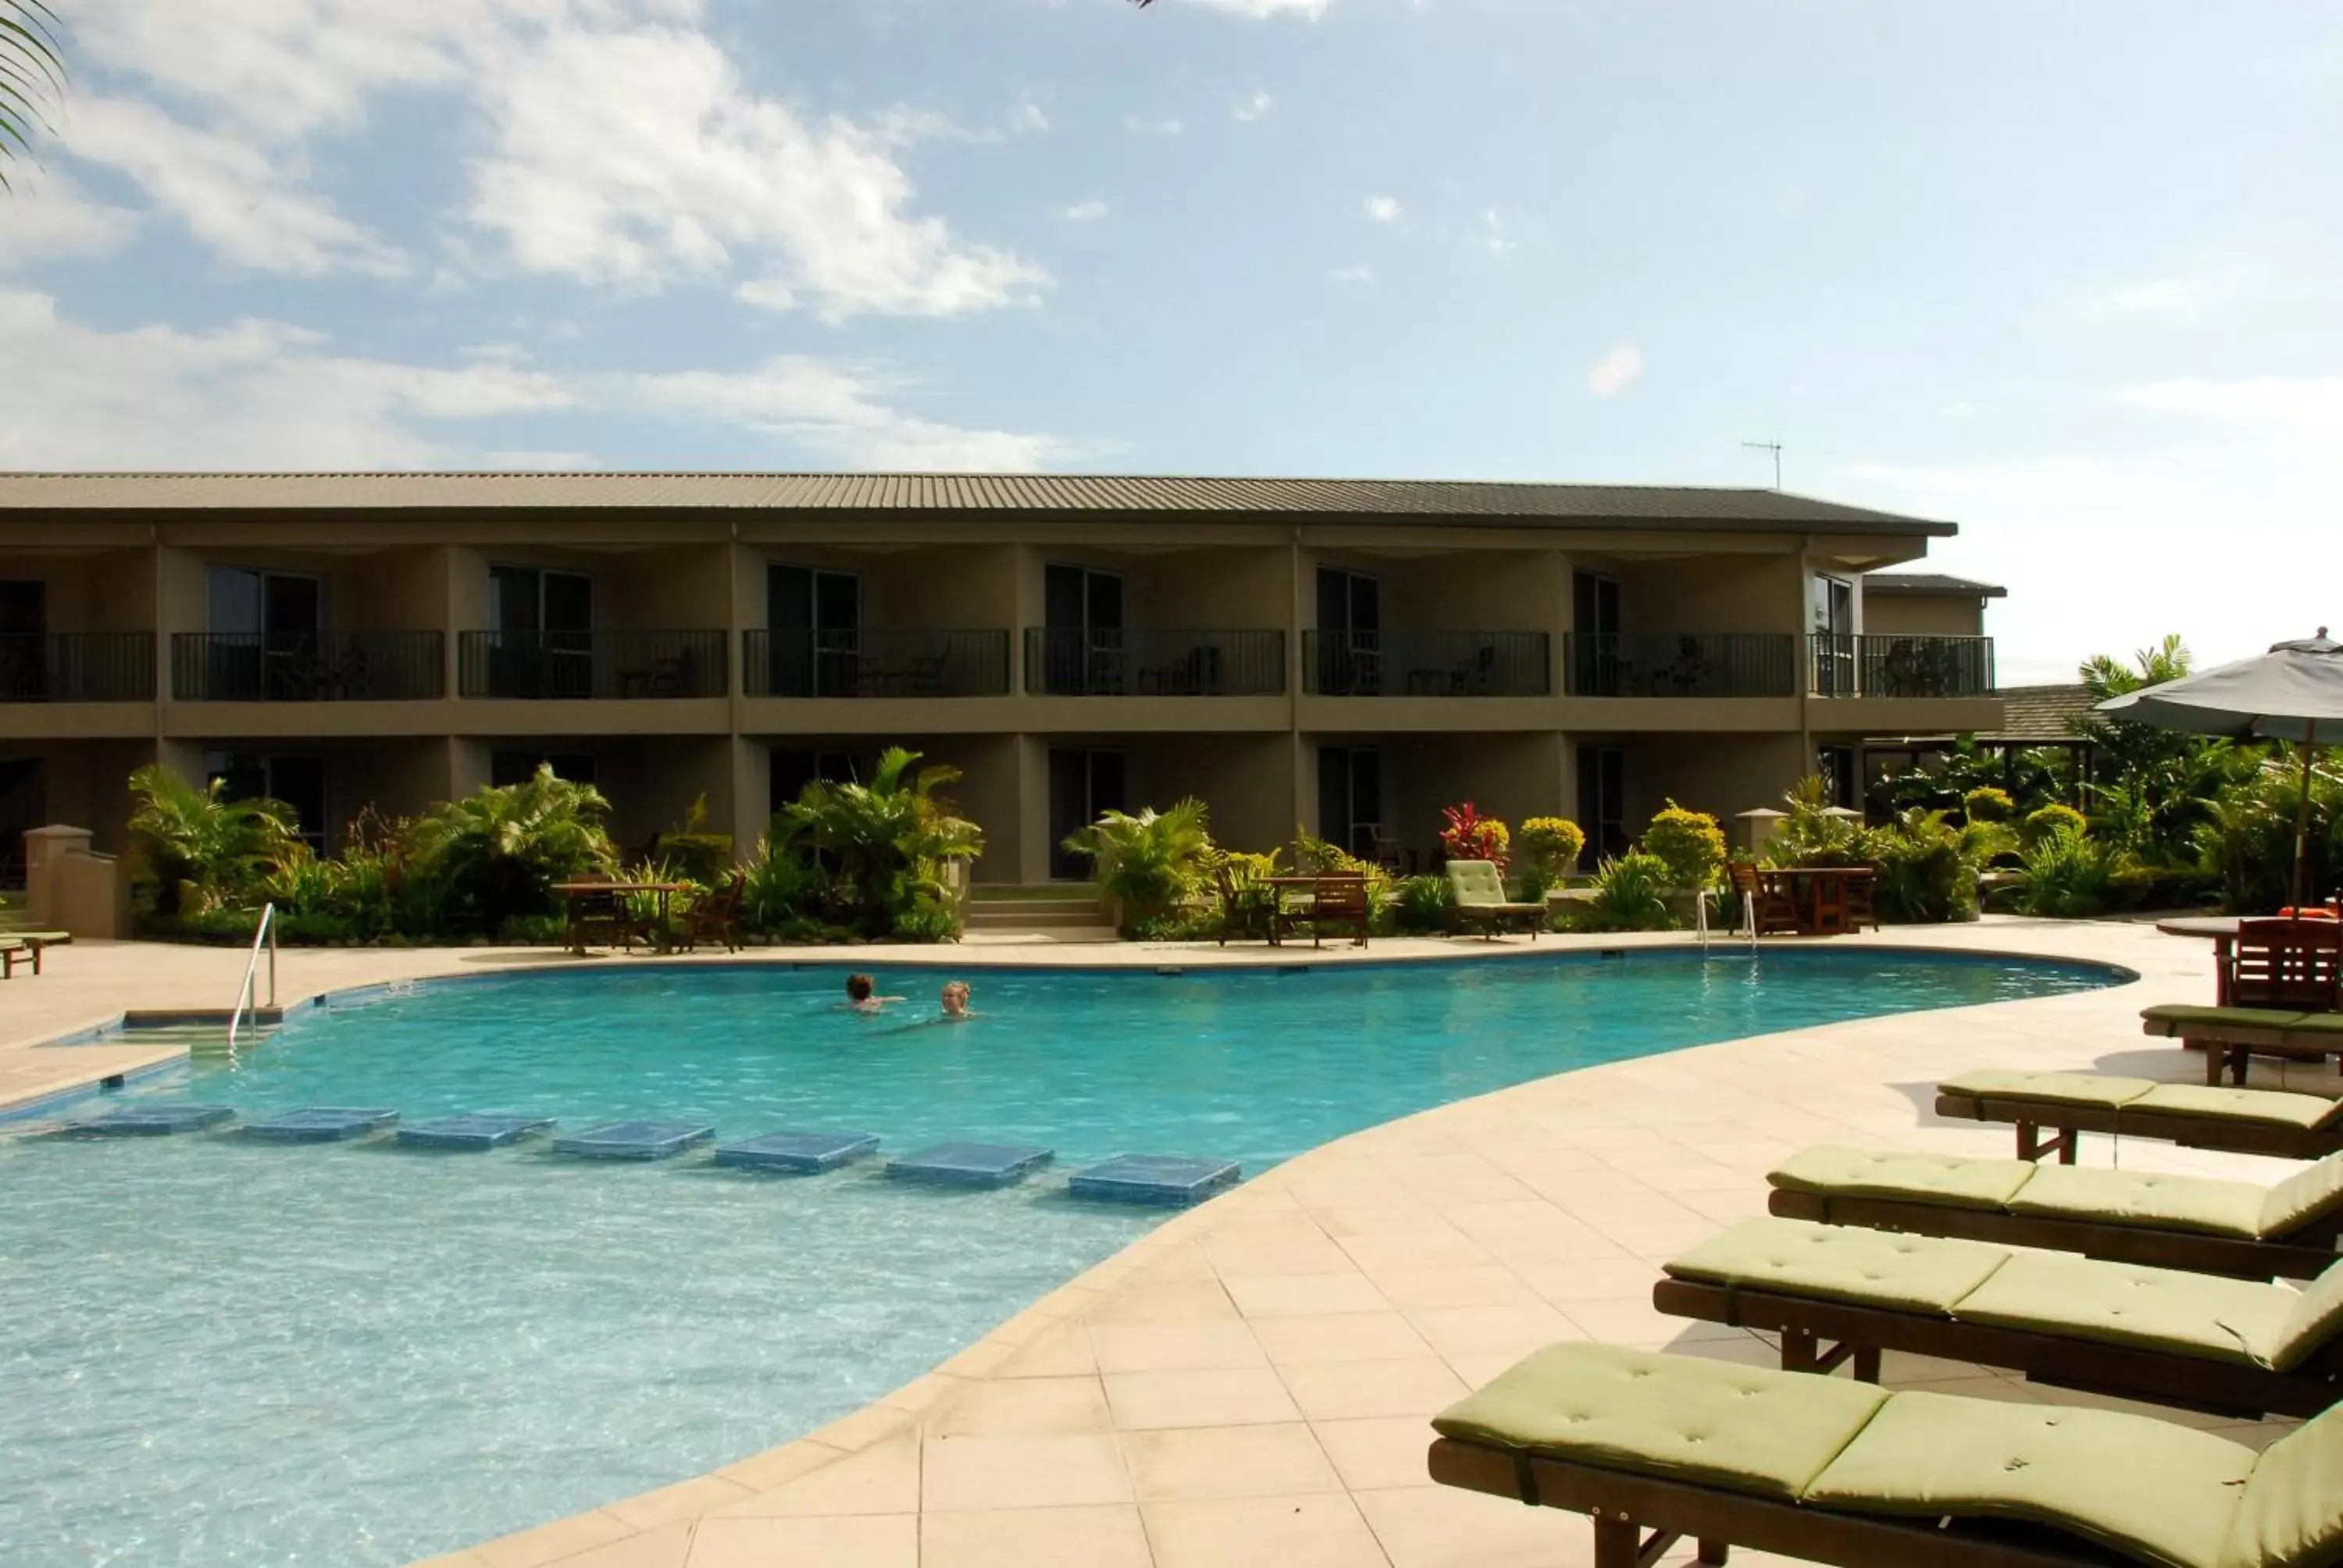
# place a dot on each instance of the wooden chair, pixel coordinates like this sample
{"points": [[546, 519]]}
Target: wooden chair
{"points": [[1861, 907], [1340, 903], [1245, 917], [1771, 906], [602, 915], [2278, 966], [717, 915]]}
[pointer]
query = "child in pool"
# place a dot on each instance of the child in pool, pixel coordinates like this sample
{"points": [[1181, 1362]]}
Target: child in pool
{"points": [[862, 995], [955, 1001]]}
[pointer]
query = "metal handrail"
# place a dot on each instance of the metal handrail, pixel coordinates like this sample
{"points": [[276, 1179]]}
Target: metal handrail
{"points": [[266, 931]]}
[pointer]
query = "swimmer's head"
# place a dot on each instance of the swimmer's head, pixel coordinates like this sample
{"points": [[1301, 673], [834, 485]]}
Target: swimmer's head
{"points": [[859, 988]]}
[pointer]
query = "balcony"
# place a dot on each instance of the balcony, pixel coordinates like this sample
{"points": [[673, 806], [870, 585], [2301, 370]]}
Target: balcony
{"points": [[872, 663], [1427, 663], [1899, 666], [332, 667], [1683, 664], [1060, 662], [77, 667], [591, 666]]}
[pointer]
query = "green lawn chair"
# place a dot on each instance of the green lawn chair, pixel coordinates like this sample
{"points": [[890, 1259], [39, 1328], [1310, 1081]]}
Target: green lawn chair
{"points": [[1480, 902]]}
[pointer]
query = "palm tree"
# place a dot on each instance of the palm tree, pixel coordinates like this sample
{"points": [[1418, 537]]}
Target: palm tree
{"points": [[32, 70], [890, 839], [196, 840], [498, 851], [1148, 863]]}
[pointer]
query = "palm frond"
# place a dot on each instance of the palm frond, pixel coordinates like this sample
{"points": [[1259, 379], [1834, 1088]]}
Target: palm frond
{"points": [[32, 75]]}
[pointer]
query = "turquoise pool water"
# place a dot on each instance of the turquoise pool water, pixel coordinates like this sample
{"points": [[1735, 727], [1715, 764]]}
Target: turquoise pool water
{"points": [[220, 1354]]}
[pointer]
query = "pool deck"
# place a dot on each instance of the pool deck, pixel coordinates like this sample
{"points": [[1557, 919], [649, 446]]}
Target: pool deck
{"points": [[1251, 1382]]}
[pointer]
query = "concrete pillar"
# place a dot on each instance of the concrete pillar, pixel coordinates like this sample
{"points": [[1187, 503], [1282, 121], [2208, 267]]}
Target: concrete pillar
{"points": [[44, 849]]}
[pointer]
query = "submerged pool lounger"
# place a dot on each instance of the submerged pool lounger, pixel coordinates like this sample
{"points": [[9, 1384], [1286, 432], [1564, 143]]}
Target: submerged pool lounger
{"points": [[2193, 1222], [2196, 1341], [1831, 1472], [2195, 1116]]}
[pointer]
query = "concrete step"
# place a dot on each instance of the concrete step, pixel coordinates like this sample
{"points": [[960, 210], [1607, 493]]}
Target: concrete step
{"points": [[1035, 914]]}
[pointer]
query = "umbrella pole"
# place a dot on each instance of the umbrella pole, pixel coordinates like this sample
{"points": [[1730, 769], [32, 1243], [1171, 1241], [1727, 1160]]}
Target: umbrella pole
{"points": [[2302, 816]]}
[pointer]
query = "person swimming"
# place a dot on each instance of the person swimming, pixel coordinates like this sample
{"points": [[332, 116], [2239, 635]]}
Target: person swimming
{"points": [[862, 994], [955, 1000]]}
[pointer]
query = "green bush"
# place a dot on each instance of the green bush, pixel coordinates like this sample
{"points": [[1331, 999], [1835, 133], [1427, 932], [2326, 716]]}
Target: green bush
{"points": [[1809, 836], [2052, 818], [1988, 803], [1546, 850], [2069, 876], [498, 851], [1149, 864], [197, 848], [2249, 840], [1425, 906], [1927, 867], [694, 854], [1690, 844], [1630, 895], [885, 844]]}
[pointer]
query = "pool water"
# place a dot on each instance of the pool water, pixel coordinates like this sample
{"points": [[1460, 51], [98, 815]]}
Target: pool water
{"points": [[219, 1353]]}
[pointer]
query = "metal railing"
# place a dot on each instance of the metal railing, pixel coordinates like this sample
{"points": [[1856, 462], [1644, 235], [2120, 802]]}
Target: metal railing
{"points": [[1061, 662], [1683, 664], [328, 667], [244, 999], [1427, 663], [875, 663], [77, 667], [1899, 666], [592, 665]]}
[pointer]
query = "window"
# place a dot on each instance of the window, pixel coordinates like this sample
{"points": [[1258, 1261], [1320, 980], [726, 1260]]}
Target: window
{"points": [[24, 658], [1350, 800], [1083, 642], [1833, 615], [1602, 804], [1594, 634], [543, 627], [1350, 632], [1836, 764], [814, 618], [794, 768], [297, 781], [1085, 782], [265, 628]]}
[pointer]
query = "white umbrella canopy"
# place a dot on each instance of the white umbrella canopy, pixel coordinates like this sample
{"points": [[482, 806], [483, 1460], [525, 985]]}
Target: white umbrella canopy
{"points": [[2293, 692]]}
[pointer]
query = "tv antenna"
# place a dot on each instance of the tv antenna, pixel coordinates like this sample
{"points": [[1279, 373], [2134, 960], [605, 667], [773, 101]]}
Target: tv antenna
{"points": [[1774, 448]]}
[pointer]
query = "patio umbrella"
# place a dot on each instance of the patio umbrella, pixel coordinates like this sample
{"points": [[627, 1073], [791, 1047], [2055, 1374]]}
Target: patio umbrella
{"points": [[2290, 693]]}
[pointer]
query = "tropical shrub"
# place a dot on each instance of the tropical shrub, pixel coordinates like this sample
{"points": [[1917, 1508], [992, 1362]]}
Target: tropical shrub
{"points": [[784, 886], [1149, 864], [1314, 856], [1631, 894], [1469, 836], [2052, 818], [498, 851], [1690, 844], [1546, 851], [1809, 836], [2248, 838], [889, 840], [198, 848], [693, 854], [1426, 905], [1988, 803], [1927, 867], [2069, 875]]}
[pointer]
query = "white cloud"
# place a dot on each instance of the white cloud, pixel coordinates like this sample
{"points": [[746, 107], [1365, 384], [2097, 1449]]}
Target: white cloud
{"points": [[1383, 209], [1259, 10], [1613, 372], [50, 215], [1027, 118], [265, 395], [1254, 108], [2307, 406], [1351, 274], [1087, 211], [1496, 235], [1140, 126]]}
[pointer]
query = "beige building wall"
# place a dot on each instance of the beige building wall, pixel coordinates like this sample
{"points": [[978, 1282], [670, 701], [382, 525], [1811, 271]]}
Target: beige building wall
{"points": [[1721, 775], [1722, 593], [1923, 615]]}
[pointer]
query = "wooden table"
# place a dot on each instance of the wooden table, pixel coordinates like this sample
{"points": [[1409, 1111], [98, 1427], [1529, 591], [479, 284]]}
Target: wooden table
{"points": [[1818, 894], [574, 892]]}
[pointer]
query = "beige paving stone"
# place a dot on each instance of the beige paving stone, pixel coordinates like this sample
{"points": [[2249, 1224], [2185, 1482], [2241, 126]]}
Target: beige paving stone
{"points": [[1174, 1346], [863, 1541], [1487, 1285], [965, 1473], [1514, 1330], [684, 1500], [1305, 1295], [1313, 1531], [1621, 1278], [881, 1479], [1442, 1527], [1226, 1461], [871, 1424], [551, 1543], [1094, 1537], [1229, 1397], [1032, 1407], [1064, 1351], [1378, 1452], [1338, 1390], [1239, 1254], [661, 1546], [1179, 1301], [776, 1466], [1303, 1339]]}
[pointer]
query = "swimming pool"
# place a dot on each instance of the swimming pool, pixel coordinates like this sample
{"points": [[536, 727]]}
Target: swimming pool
{"points": [[223, 1354]]}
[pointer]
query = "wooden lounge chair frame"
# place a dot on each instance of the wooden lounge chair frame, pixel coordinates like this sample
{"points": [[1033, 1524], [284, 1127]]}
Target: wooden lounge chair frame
{"points": [[2032, 1118], [1819, 1334], [1240, 919], [1339, 902], [717, 915], [601, 913], [2275, 965], [19, 947], [2299, 1255], [1625, 1506]]}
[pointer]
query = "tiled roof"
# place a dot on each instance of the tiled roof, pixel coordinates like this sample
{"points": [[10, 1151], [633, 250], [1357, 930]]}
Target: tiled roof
{"points": [[1433, 500], [1930, 583], [2042, 712]]}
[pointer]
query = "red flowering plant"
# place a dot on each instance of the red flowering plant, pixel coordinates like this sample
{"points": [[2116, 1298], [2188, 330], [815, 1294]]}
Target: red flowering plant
{"points": [[1470, 836]]}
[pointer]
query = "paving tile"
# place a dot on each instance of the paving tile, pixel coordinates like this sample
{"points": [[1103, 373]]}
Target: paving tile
{"points": [[1488, 1285], [881, 1479], [1032, 1407], [1290, 1295], [1226, 1462], [1306, 1338], [1174, 1346], [865, 1541], [1378, 1452], [684, 1500], [1063, 1351], [1240, 1254], [778, 1466], [1092, 1537], [551, 1543], [1620, 1279], [1442, 1527], [664, 1546], [1307, 1531], [1180, 1301], [1338, 1390], [965, 1473], [1514, 1330], [1230, 1397]]}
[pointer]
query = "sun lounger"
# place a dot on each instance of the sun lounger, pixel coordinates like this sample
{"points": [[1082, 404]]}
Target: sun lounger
{"points": [[1830, 1471], [2196, 1341], [1480, 890], [2240, 1121], [19, 947], [2193, 1222], [2231, 1036]]}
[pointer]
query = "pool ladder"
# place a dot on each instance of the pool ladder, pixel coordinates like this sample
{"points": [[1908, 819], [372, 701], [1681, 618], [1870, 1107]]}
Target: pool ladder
{"points": [[246, 998]]}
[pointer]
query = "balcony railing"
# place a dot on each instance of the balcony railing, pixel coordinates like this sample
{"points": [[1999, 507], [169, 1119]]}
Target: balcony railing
{"points": [[332, 667], [1427, 663], [77, 667], [592, 665], [1899, 666], [875, 663], [1060, 662], [1684, 664]]}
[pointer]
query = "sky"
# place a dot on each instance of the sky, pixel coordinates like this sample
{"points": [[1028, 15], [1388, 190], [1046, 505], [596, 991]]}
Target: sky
{"points": [[2066, 276]]}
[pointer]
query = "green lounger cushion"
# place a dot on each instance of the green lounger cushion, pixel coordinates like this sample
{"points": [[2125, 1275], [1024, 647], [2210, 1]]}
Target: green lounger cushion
{"points": [[2181, 1018], [2311, 1195], [2292, 1512], [2315, 1318], [2328, 1024], [2167, 1493], [1744, 1429], [2241, 1322], [2050, 1088], [1835, 1262], [1479, 885], [2269, 1105], [2197, 1203], [1948, 1179]]}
